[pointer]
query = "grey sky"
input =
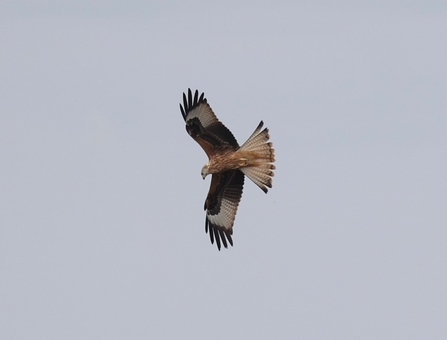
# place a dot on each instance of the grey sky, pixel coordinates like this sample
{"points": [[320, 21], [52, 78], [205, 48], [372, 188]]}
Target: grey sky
{"points": [[101, 224]]}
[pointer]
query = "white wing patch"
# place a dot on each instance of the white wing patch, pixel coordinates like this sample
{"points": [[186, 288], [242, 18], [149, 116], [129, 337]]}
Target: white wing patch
{"points": [[225, 217], [204, 114]]}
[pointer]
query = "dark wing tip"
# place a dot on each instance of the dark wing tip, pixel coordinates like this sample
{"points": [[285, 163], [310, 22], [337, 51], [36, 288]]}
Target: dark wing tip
{"points": [[217, 237], [190, 102], [221, 236], [189, 96], [182, 111], [196, 96], [230, 239]]}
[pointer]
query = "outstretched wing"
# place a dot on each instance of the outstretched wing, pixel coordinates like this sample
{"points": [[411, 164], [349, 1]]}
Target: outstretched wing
{"points": [[203, 125], [221, 205]]}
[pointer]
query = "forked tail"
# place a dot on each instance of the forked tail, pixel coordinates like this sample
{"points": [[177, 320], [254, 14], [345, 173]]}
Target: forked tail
{"points": [[259, 154]]}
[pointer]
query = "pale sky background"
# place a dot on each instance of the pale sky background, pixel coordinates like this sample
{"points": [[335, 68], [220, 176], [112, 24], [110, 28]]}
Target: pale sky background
{"points": [[102, 223]]}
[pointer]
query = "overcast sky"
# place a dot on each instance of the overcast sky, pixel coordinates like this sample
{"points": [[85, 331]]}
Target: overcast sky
{"points": [[102, 228]]}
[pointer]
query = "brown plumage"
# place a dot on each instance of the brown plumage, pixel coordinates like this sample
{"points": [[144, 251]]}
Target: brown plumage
{"points": [[228, 163]]}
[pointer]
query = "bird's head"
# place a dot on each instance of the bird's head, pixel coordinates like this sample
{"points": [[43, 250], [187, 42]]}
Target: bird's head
{"points": [[205, 170]]}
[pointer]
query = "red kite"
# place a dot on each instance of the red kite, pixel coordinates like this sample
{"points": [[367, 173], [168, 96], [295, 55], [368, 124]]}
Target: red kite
{"points": [[228, 163]]}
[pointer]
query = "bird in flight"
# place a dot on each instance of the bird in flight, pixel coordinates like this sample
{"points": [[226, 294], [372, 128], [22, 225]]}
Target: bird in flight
{"points": [[228, 163]]}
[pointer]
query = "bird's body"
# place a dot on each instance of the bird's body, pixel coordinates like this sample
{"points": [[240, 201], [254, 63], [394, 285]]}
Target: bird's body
{"points": [[228, 163], [229, 160]]}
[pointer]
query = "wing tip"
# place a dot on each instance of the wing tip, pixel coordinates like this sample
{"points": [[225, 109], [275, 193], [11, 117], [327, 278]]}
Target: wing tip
{"points": [[222, 237], [183, 112], [191, 101]]}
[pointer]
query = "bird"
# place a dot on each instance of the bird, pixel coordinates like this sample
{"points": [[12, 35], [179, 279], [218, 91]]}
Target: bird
{"points": [[228, 163]]}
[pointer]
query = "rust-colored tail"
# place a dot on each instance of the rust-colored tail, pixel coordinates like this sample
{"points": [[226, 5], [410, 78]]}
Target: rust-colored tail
{"points": [[260, 154]]}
